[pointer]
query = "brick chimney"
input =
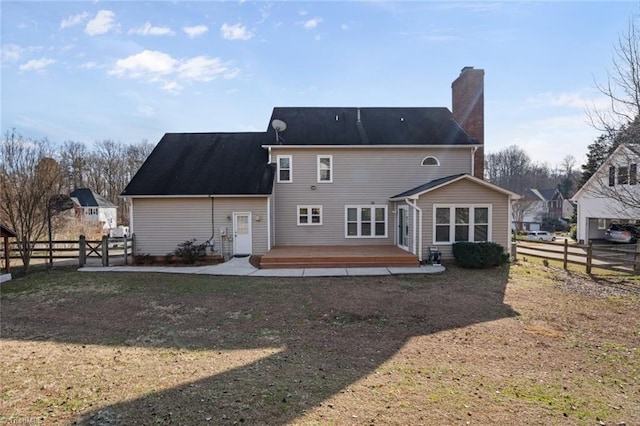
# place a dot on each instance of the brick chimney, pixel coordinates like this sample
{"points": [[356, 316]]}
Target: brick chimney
{"points": [[467, 105]]}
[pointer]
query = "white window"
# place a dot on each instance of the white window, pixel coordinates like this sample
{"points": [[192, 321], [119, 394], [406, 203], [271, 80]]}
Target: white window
{"points": [[602, 223], [92, 211], [309, 215], [325, 168], [366, 221], [461, 223], [430, 161], [285, 168]]}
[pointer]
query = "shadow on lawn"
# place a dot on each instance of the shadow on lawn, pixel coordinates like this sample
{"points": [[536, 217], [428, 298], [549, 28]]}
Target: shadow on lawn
{"points": [[334, 331]]}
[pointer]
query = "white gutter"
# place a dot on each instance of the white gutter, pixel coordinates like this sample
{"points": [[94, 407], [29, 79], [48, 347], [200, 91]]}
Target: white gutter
{"points": [[419, 210], [367, 146]]}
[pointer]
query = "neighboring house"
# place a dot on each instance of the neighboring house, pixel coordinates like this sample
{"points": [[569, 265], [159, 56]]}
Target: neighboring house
{"points": [[612, 194], [326, 176], [541, 208], [94, 208]]}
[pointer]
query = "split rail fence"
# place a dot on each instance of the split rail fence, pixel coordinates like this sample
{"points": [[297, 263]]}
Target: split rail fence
{"points": [[619, 257], [82, 249]]}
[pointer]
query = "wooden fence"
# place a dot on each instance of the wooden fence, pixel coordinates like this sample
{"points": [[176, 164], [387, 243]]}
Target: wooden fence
{"points": [[81, 249], [620, 257]]}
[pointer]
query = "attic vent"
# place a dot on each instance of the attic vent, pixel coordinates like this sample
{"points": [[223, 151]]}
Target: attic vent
{"points": [[401, 118], [430, 161], [337, 118]]}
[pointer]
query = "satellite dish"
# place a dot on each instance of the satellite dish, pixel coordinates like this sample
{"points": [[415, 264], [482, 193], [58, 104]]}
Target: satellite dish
{"points": [[279, 125]]}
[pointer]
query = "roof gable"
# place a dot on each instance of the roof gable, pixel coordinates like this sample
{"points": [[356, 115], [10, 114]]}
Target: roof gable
{"points": [[87, 198], [367, 126], [205, 164], [622, 151], [416, 192]]}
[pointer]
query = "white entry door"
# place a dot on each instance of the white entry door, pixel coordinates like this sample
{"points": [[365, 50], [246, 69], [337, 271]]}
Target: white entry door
{"points": [[241, 233]]}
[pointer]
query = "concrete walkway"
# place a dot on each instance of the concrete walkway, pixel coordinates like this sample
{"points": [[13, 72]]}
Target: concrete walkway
{"points": [[240, 266]]}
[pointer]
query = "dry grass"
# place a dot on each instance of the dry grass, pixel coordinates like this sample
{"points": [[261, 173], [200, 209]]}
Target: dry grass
{"points": [[518, 345]]}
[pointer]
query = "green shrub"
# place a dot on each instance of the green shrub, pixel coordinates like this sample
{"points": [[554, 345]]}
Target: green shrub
{"points": [[190, 252], [479, 255], [573, 232]]}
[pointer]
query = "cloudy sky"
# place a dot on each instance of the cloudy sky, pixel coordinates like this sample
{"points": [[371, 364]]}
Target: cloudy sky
{"points": [[128, 71]]}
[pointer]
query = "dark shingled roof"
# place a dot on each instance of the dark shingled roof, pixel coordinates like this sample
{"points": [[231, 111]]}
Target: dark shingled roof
{"points": [[429, 185], [87, 198], [377, 126], [205, 164]]}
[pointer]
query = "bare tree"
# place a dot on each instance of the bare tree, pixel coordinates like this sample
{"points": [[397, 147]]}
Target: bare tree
{"points": [[620, 124], [520, 209], [74, 161], [29, 177], [622, 88]]}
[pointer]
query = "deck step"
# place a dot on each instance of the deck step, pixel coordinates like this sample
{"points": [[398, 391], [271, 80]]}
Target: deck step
{"points": [[300, 265], [338, 257]]}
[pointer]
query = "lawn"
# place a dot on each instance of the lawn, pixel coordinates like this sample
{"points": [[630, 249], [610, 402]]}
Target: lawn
{"points": [[523, 344]]}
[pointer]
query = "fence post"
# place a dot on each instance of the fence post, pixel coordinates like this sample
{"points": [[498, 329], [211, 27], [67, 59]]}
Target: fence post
{"points": [[105, 250], [635, 257], [126, 254], [566, 252], [133, 246], [82, 251], [514, 250], [589, 257]]}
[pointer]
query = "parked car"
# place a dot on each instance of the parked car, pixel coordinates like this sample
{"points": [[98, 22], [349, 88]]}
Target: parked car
{"points": [[622, 233], [540, 236]]}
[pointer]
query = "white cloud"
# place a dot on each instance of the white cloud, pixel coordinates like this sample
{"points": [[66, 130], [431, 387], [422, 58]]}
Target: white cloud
{"points": [[145, 111], [102, 23], [235, 32], [74, 20], [148, 29], [312, 24], [345, 27], [202, 68], [172, 87], [160, 67], [37, 64], [580, 99], [195, 31], [89, 65], [11, 52], [148, 62]]}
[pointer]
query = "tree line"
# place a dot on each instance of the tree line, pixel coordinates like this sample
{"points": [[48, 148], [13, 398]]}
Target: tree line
{"points": [[33, 172]]}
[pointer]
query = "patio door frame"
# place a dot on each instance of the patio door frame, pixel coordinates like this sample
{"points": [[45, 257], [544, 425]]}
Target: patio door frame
{"points": [[403, 227]]}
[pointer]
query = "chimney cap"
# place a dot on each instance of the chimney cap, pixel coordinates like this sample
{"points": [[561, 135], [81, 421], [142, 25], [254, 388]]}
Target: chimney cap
{"points": [[467, 68]]}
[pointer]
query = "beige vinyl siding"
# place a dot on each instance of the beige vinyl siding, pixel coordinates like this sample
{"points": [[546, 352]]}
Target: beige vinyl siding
{"points": [[465, 192], [160, 224], [361, 176]]}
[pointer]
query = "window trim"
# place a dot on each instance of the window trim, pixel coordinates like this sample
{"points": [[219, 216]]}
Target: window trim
{"points": [[372, 221], [309, 215], [290, 157], [427, 158], [471, 225], [318, 163]]}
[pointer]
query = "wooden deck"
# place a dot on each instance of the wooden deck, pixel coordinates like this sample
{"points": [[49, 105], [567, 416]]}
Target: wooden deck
{"points": [[337, 257]]}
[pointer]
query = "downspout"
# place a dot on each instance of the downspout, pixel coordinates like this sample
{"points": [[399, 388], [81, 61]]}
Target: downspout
{"points": [[419, 210], [510, 216], [269, 223], [473, 160]]}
